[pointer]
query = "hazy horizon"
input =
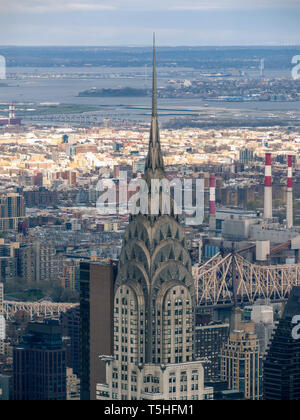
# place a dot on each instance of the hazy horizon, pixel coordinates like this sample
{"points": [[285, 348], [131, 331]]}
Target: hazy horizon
{"points": [[132, 22]]}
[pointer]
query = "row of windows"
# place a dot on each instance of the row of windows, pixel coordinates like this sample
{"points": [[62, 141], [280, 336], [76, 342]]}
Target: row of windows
{"points": [[183, 378], [183, 388]]}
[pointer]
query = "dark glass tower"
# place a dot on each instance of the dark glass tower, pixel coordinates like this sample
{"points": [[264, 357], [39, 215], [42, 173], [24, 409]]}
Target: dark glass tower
{"points": [[70, 322], [281, 366], [40, 364]]}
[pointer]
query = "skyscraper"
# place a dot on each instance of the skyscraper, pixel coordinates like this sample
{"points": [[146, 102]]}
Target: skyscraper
{"points": [[70, 322], [96, 324], [209, 340], [39, 364], [281, 365], [241, 361], [154, 301]]}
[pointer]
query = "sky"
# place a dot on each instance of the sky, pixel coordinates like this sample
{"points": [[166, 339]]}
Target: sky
{"points": [[132, 22]]}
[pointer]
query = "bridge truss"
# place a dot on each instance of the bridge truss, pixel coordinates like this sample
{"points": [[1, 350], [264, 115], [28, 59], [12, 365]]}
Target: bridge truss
{"points": [[230, 279], [35, 309]]}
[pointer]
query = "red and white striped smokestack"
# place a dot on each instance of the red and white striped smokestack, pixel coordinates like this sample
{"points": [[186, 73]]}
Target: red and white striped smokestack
{"points": [[212, 202], [212, 195], [268, 188], [289, 193], [11, 110]]}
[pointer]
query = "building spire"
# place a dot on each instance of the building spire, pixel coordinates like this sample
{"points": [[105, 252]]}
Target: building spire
{"points": [[154, 167], [154, 83]]}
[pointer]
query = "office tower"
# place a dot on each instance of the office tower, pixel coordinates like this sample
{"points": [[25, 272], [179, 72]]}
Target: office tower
{"points": [[70, 322], [96, 324], [281, 365], [4, 387], [154, 301], [12, 211], [241, 361], [39, 364], [209, 340]]}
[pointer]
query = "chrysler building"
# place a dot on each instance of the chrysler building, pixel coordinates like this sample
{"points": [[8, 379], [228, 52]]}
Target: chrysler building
{"points": [[154, 302]]}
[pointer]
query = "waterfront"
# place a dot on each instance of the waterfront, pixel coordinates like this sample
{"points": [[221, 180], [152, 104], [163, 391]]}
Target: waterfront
{"points": [[62, 85]]}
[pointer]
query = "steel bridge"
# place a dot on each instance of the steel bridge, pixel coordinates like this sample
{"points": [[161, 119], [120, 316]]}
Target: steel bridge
{"points": [[35, 309], [232, 280]]}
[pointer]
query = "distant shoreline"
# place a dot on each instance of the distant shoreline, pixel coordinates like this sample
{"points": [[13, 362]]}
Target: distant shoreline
{"points": [[114, 93]]}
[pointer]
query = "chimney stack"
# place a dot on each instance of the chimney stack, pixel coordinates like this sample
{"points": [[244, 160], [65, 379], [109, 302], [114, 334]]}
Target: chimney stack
{"points": [[289, 193], [212, 202], [11, 111], [268, 188]]}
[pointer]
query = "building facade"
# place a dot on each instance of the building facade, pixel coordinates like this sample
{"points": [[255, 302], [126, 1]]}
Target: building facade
{"points": [[96, 324], [39, 364], [70, 322], [4, 387], [241, 362], [209, 340], [12, 211], [281, 365]]}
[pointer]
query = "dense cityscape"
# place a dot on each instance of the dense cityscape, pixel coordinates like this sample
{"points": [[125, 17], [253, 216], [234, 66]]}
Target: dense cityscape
{"points": [[118, 305]]}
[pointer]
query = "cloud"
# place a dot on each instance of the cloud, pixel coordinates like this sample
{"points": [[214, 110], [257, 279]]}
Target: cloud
{"points": [[54, 6], [110, 35], [131, 22]]}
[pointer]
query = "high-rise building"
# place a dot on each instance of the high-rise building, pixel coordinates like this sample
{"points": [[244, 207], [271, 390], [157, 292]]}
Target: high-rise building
{"points": [[39, 364], [70, 322], [12, 211], [4, 387], [46, 261], [96, 323], [209, 340], [281, 365], [8, 268], [37, 261], [154, 302], [241, 361]]}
